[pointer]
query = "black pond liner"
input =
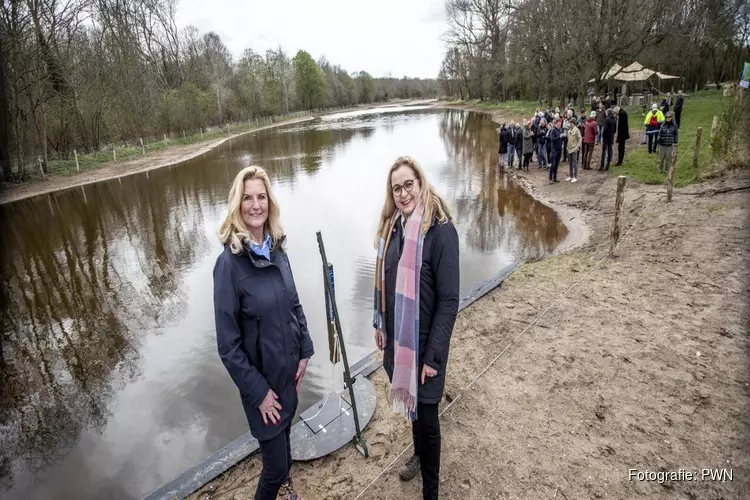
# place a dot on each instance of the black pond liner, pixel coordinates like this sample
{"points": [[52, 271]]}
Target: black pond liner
{"points": [[244, 446]]}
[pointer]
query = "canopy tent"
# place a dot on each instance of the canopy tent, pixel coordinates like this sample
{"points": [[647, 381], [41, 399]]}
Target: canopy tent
{"points": [[633, 73]]}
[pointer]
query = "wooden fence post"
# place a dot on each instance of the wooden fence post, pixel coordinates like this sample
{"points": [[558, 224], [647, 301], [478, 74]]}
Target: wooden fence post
{"points": [[698, 134], [78, 167], [143, 148], [714, 125], [41, 168], [114, 153], [672, 168], [165, 139], [614, 235], [201, 133]]}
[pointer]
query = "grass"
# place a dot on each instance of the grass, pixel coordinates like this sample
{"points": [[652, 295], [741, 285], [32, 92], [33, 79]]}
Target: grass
{"points": [[512, 107], [698, 111], [66, 164]]}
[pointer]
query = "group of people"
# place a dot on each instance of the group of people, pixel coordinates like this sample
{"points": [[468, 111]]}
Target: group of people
{"points": [[262, 332], [570, 136], [662, 126]]}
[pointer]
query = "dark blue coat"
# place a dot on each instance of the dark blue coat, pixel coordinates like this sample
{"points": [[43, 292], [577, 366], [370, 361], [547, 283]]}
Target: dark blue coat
{"points": [[438, 303], [555, 137], [261, 332]]}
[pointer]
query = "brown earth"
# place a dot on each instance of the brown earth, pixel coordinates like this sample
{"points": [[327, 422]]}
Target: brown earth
{"points": [[113, 170], [164, 158], [638, 361]]}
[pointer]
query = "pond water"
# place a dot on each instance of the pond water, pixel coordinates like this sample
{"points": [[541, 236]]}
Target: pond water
{"points": [[111, 383]]}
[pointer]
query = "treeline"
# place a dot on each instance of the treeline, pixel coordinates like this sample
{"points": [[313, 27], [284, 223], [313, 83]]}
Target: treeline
{"points": [[550, 49], [81, 74]]}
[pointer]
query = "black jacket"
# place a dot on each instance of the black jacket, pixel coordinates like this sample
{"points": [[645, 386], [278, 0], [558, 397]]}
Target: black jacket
{"points": [[519, 138], [668, 133], [555, 138], [261, 332], [678, 105], [608, 132], [504, 138], [438, 303], [666, 104], [623, 128]]}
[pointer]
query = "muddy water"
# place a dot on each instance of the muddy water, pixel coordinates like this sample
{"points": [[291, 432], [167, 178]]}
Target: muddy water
{"points": [[111, 385]]}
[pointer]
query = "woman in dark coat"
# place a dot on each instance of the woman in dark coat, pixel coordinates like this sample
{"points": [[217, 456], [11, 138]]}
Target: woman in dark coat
{"points": [[416, 302], [503, 150], [261, 330], [519, 143], [623, 133]]}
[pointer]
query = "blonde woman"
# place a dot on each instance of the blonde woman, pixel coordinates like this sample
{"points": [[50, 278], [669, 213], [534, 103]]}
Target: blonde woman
{"points": [[416, 302], [261, 330]]}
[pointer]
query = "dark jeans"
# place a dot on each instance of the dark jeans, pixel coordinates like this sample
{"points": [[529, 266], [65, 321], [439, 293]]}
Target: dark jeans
{"points": [[620, 152], [588, 151], [555, 164], [276, 455], [527, 159], [606, 155], [677, 115], [425, 431], [652, 142]]}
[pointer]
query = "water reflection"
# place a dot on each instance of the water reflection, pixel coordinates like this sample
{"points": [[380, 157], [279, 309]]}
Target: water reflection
{"points": [[498, 213], [107, 355]]}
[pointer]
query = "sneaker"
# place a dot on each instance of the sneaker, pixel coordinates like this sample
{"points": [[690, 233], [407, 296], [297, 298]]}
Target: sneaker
{"points": [[409, 470], [573, 180], [568, 179], [286, 492]]}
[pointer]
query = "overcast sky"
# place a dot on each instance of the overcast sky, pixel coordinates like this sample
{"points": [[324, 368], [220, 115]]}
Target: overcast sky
{"points": [[397, 36]]}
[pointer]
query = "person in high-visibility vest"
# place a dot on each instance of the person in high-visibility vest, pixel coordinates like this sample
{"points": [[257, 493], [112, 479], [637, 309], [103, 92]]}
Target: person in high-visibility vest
{"points": [[653, 121]]}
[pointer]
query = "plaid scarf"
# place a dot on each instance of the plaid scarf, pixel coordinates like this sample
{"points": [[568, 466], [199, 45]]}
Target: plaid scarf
{"points": [[403, 393]]}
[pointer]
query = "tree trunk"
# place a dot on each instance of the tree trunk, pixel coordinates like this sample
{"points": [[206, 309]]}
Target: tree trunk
{"points": [[6, 156]]}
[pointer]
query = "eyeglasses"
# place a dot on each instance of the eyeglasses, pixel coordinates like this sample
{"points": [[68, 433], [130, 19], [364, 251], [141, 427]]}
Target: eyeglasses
{"points": [[408, 186]]}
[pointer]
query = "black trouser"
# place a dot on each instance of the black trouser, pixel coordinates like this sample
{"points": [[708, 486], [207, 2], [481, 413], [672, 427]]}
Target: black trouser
{"points": [[588, 151], [677, 114], [527, 159], [652, 142], [276, 455], [606, 152], [620, 152], [425, 431], [555, 163], [565, 149]]}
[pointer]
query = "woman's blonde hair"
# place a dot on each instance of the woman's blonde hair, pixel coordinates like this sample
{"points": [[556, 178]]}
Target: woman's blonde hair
{"points": [[433, 203], [233, 230]]}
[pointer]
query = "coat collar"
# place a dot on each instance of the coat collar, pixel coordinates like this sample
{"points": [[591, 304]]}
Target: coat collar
{"points": [[261, 262]]}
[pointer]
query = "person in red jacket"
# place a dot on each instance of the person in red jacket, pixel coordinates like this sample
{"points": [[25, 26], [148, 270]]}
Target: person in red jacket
{"points": [[589, 140]]}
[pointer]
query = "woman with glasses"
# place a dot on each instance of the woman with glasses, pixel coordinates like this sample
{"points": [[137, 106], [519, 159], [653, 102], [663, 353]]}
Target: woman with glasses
{"points": [[415, 307]]}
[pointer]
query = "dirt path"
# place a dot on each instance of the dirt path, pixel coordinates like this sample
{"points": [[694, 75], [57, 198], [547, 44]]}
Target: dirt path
{"points": [[164, 158], [640, 361]]}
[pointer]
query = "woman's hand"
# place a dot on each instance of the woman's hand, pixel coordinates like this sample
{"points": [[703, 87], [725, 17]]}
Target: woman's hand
{"points": [[301, 369], [380, 339], [269, 408], [428, 371]]}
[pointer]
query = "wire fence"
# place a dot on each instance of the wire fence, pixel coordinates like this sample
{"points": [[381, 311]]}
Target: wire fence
{"points": [[597, 260], [23, 169]]}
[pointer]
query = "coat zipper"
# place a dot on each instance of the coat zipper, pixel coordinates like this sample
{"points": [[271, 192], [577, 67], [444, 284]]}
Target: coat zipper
{"points": [[257, 345]]}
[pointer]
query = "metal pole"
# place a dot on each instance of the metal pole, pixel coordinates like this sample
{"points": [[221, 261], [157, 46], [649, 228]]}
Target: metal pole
{"points": [[358, 439]]}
